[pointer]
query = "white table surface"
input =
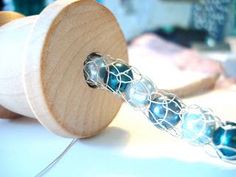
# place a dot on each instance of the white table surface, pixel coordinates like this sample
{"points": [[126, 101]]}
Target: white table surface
{"points": [[129, 147]]}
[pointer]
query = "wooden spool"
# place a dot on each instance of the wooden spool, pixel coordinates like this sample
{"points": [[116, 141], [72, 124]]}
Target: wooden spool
{"points": [[41, 66], [5, 17]]}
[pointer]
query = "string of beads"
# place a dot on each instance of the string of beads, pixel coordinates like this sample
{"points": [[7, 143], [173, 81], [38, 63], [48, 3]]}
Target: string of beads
{"points": [[165, 110]]}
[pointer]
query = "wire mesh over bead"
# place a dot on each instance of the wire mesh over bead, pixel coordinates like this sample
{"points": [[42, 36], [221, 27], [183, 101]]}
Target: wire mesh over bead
{"points": [[198, 124], [160, 107], [118, 76], [94, 70], [224, 142], [107, 73], [165, 110]]}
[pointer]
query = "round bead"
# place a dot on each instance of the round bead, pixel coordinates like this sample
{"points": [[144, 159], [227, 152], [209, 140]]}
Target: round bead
{"points": [[118, 77], [164, 112], [198, 125], [95, 70], [138, 93], [224, 138]]}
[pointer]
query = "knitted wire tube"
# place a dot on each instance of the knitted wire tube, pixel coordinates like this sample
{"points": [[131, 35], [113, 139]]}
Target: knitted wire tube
{"points": [[165, 110]]}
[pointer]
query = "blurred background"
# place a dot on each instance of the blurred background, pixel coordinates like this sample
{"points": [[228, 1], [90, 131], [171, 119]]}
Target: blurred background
{"points": [[196, 35], [203, 18]]}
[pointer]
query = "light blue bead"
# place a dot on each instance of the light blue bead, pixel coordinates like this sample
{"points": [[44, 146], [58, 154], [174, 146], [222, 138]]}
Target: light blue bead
{"points": [[95, 70], [138, 93], [224, 138], [164, 112], [198, 125], [118, 77]]}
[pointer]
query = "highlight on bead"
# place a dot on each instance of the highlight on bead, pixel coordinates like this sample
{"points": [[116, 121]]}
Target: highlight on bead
{"points": [[118, 76], [224, 141], [198, 124], [165, 110], [138, 93], [94, 70]]}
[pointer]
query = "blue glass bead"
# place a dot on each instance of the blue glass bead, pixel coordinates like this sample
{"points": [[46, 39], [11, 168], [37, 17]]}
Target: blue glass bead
{"points": [[198, 125], [118, 77], [95, 70], [165, 112], [224, 138], [138, 93]]}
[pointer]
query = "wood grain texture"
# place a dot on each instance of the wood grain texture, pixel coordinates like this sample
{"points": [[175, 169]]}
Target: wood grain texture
{"points": [[6, 114], [7, 16], [51, 82]]}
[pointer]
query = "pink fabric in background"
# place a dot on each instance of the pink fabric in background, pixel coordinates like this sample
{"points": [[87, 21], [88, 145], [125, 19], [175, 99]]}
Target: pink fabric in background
{"points": [[171, 62], [182, 58]]}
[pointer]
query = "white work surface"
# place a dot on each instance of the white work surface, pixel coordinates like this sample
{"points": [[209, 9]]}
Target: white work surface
{"points": [[129, 147]]}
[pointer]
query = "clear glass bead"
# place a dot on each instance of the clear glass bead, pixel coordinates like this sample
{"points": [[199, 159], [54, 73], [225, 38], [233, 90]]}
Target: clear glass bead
{"points": [[138, 93], [197, 125], [95, 70]]}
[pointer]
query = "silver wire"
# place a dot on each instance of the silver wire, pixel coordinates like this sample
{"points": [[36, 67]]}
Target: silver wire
{"points": [[56, 160]]}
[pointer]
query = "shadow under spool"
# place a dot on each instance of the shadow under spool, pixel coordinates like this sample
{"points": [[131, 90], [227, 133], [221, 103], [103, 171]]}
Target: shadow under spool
{"points": [[41, 66]]}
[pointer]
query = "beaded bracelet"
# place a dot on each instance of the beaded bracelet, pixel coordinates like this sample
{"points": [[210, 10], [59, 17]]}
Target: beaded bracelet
{"points": [[166, 111]]}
